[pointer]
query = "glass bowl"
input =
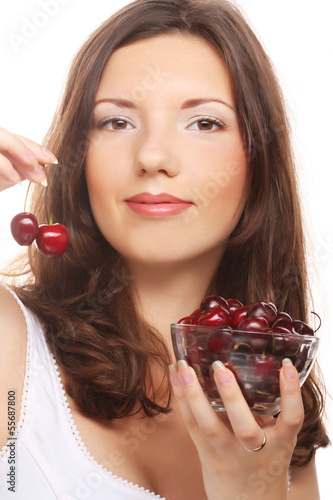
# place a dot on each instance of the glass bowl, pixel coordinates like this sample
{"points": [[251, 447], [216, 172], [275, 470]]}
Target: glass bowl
{"points": [[254, 357]]}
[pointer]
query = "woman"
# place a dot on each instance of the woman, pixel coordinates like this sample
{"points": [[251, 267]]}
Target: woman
{"points": [[174, 172]]}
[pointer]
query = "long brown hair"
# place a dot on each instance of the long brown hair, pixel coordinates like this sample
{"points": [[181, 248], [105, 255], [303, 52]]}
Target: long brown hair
{"points": [[84, 298]]}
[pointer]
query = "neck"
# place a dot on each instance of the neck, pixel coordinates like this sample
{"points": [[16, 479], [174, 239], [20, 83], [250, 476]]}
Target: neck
{"points": [[166, 293]]}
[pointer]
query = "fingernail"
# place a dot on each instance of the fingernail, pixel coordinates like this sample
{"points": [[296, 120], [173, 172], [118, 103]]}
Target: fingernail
{"points": [[184, 372], [173, 375], [44, 182], [50, 155], [289, 371], [223, 377]]}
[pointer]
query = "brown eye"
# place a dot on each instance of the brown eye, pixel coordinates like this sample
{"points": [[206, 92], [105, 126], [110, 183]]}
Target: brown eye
{"points": [[120, 124], [113, 124], [207, 124]]}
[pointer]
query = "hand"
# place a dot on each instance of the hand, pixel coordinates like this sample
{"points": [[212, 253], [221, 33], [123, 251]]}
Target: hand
{"points": [[21, 159], [230, 471]]}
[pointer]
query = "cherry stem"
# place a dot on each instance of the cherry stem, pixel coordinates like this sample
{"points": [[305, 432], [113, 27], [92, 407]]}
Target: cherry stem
{"points": [[26, 198], [312, 312], [237, 346]]}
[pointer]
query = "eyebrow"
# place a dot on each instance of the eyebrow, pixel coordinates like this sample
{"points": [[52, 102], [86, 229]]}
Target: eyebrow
{"points": [[190, 103]]}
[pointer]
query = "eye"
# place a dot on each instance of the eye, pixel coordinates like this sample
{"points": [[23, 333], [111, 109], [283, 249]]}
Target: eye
{"points": [[208, 123], [115, 123]]}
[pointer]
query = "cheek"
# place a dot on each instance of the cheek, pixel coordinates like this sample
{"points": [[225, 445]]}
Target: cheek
{"points": [[223, 187], [103, 175]]}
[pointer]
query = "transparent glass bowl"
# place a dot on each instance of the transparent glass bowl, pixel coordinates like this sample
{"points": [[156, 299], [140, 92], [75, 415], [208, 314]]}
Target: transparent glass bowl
{"points": [[254, 357]]}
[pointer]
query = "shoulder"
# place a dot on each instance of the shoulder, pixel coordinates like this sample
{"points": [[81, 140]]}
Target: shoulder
{"points": [[13, 341], [12, 322]]}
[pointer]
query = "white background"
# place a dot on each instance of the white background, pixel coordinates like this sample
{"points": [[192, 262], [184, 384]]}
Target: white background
{"points": [[297, 35]]}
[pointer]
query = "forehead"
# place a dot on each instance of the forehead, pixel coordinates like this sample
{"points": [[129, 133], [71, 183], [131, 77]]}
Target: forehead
{"points": [[163, 64]]}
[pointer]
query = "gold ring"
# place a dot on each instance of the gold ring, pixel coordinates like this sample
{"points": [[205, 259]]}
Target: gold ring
{"points": [[259, 447]]}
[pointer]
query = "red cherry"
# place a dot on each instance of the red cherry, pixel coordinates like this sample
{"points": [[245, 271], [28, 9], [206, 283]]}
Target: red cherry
{"points": [[216, 316], [301, 328], [271, 304], [234, 304], [196, 312], [292, 345], [212, 301], [283, 319], [253, 325], [262, 310], [279, 329], [187, 320], [195, 315], [266, 365], [221, 342], [24, 228], [239, 315], [52, 240]]}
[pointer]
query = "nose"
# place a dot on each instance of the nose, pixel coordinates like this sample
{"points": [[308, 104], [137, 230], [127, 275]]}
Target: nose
{"points": [[156, 155]]}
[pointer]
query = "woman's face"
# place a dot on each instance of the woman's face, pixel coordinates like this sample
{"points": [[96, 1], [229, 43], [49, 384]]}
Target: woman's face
{"points": [[166, 168]]}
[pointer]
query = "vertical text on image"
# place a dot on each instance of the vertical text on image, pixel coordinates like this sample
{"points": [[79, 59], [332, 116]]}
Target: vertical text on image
{"points": [[11, 475]]}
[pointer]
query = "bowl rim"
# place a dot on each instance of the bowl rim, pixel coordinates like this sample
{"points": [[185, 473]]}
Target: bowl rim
{"points": [[244, 332]]}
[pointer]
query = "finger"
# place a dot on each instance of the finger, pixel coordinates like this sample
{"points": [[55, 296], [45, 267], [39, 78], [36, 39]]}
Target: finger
{"points": [[202, 422], [9, 175], [291, 417], [26, 156], [244, 425], [31, 173], [43, 155], [24, 150]]}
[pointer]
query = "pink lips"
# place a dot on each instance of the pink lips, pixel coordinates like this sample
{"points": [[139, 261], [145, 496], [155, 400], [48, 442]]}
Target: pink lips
{"points": [[157, 205]]}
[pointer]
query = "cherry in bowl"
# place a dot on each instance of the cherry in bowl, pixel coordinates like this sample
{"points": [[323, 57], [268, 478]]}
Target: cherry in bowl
{"points": [[255, 358]]}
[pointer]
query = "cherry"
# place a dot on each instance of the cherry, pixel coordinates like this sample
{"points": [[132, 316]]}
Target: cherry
{"points": [[301, 328], [279, 329], [283, 319], [52, 240], [234, 304], [197, 355], [24, 228], [253, 325], [255, 343], [187, 320], [292, 345], [271, 304], [262, 310], [265, 365], [212, 301], [251, 340], [221, 342], [215, 317], [239, 315]]}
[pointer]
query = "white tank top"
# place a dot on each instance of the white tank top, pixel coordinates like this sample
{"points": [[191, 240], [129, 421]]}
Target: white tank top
{"points": [[46, 459]]}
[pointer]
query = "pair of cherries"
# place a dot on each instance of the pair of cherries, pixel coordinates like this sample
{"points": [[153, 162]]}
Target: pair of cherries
{"points": [[51, 240]]}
